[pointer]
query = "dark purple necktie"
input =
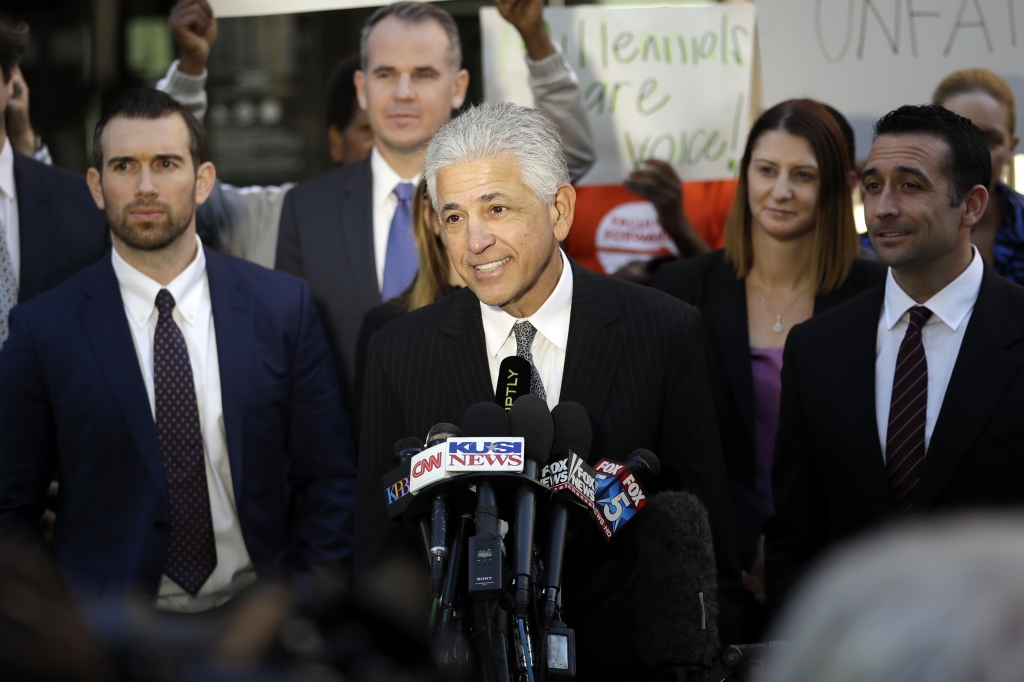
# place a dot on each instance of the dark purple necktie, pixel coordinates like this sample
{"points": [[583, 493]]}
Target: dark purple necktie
{"points": [[904, 440], [191, 549]]}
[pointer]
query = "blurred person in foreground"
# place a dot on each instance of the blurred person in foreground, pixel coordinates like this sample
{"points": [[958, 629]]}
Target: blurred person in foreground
{"points": [[186, 397], [637, 360], [49, 227], [929, 602], [790, 253], [907, 399]]}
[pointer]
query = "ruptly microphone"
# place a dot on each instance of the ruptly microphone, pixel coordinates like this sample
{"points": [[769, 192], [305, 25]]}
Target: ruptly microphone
{"points": [[675, 598], [531, 420], [437, 436], [513, 381]]}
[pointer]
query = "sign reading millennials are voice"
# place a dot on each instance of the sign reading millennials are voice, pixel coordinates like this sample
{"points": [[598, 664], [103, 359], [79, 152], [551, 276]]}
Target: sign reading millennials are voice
{"points": [[867, 57], [670, 83]]}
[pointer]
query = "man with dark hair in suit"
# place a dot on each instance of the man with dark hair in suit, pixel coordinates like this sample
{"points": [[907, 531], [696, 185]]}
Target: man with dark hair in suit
{"points": [[636, 359], [907, 399], [49, 227], [187, 398]]}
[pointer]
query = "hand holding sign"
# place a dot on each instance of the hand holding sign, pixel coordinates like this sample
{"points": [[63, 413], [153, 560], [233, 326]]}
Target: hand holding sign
{"points": [[657, 182], [195, 30]]}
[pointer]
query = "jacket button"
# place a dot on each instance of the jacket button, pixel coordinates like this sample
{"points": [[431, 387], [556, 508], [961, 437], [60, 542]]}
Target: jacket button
{"points": [[160, 526]]}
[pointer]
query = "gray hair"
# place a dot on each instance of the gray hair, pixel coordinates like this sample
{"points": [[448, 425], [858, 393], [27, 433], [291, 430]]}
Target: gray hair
{"points": [[935, 602], [501, 129], [415, 13]]}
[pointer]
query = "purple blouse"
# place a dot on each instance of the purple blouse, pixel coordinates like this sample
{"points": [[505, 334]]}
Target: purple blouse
{"points": [[766, 367]]}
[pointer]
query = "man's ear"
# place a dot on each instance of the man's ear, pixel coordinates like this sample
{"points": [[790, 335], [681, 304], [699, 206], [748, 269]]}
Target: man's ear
{"points": [[461, 85], [975, 202], [563, 208], [206, 175], [359, 79], [95, 182]]}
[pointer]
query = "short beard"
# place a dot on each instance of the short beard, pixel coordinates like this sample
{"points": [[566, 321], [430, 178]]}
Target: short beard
{"points": [[149, 236]]}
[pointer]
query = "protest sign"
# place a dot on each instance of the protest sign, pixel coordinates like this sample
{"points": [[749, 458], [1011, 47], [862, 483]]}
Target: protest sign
{"points": [[253, 8], [670, 83], [867, 57]]}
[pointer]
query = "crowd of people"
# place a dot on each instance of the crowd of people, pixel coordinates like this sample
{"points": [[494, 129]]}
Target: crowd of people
{"points": [[203, 383]]}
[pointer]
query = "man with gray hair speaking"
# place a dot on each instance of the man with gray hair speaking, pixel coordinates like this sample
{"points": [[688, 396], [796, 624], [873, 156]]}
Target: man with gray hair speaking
{"points": [[637, 360]]}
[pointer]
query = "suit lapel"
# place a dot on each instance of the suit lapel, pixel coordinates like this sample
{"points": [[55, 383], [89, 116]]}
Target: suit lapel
{"points": [[234, 327], [106, 327], [728, 304], [34, 226], [356, 229], [853, 390], [592, 352], [464, 354], [983, 371]]}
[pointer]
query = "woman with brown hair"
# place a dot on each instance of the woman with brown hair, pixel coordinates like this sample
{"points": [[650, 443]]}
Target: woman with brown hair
{"points": [[790, 252]]}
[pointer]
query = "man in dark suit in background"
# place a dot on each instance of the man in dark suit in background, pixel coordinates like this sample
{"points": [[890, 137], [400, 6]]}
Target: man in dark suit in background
{"points": [[348, 233], [907, 399], [636, 359], [49, 227], [187, 398]]}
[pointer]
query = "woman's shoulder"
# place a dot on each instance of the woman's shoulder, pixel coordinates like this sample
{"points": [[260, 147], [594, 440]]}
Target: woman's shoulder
{"points": [[684, 278], [865, 273]]}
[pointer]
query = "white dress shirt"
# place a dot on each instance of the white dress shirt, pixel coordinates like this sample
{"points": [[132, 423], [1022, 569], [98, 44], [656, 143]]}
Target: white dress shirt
{"points": [[9, 207], [552, 323], [193, 313], [941, 335], [385, 203]]}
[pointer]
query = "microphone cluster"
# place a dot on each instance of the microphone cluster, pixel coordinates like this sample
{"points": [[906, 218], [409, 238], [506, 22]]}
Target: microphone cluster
{"points": [[508, 483]]}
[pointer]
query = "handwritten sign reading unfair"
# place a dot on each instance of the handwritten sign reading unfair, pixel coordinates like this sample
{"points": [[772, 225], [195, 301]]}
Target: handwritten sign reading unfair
{"points": [[252, 8], [663, 82], [867, 57]]}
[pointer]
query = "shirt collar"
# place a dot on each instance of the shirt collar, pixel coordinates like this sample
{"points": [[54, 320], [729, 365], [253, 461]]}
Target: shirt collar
{"points": [[7, 170], [951, 305], [551, 319], [385, 179], [139, 291]]}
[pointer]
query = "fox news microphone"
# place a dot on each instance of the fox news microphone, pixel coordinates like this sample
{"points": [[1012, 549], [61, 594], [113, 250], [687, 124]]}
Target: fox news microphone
{"points": [[439, 516], [620, 493], [513, 381]]}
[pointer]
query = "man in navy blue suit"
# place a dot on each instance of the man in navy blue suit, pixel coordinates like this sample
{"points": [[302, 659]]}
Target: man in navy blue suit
{"points": [[187, 398]]}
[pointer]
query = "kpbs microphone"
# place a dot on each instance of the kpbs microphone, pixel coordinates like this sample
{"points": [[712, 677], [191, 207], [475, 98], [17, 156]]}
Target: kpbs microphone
{"points": [[396, 481], [513, 381]]}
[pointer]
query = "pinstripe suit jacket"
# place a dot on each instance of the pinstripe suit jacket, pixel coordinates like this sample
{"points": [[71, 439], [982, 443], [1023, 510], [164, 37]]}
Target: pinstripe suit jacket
{"points": [[638, 360]]}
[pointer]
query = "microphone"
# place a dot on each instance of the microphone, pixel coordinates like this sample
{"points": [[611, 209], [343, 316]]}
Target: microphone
{"points": [[513, 381], [442, 432], [396, 481], [531, 420], [620, 496], [675, 600], [437, 436]]}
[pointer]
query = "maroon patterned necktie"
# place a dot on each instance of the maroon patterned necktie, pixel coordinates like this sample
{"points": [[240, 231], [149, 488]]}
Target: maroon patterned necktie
{"points": [[191, 548], [904, 441]]}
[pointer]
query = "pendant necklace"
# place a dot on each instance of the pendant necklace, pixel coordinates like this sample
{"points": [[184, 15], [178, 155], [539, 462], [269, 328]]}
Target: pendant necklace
{"points": [[778, 327]]}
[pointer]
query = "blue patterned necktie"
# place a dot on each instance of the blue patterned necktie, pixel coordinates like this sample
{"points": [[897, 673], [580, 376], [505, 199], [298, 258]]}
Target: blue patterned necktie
{"points": [[8, 285], [401, 261], [191, 547], [525, 333]]}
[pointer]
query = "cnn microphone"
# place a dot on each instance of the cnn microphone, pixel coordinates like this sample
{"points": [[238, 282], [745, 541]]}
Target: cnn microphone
{"points": [[439, 516], [513, 381], [531, 420]]}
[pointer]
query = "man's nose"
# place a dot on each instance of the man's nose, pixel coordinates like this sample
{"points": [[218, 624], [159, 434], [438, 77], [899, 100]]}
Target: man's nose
{"points": [[885, 204], [404, 90], [478, 239], [146, 187]]}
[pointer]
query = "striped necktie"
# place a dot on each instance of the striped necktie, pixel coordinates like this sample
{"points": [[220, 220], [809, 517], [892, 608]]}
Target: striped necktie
{"points": [[8, 286], [525, 333]]}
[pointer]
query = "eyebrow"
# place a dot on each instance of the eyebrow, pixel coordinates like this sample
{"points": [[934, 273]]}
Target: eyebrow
{"points": [[482, 199], [802, 165], [158, 157], [909, 170], [387, 67]]}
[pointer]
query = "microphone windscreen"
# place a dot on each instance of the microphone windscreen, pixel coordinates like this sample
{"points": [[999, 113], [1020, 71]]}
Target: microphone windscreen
{"points": [[443, 431], [406, 446], [675, 598], [572, 429], [485, 420], [513, 381], [531, 420], [649, 458]]}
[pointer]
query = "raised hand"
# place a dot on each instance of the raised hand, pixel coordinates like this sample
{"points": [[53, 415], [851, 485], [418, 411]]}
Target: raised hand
{"points": [[195, 30], [528, 18]]}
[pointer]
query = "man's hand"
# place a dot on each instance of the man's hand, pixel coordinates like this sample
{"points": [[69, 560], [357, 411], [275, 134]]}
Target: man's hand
{"points": [[658, 183], [528, 18], [195, 30], [19, 126]]}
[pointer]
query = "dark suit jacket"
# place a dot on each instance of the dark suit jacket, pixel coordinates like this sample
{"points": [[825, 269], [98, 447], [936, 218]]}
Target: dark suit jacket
{"points": [[829, 479], [637, 360], [710, 284], [60, 228], [326, 238], [72, 396]]}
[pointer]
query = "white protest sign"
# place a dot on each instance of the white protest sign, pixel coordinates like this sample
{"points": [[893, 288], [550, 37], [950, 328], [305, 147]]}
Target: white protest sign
{"points": [[867, 57], [666, 82], [253, 8]]}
